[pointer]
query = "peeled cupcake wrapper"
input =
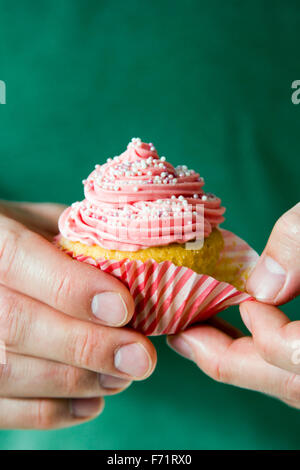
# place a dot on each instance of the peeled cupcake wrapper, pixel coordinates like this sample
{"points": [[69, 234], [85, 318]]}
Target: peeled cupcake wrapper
{"points": [[170, 298]]}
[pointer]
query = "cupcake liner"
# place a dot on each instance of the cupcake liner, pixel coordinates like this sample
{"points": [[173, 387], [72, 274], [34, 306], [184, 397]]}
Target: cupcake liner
{"points": [[170, 298]]}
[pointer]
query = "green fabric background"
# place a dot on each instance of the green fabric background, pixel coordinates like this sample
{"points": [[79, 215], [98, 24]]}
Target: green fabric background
{"points": [[209, 82]]}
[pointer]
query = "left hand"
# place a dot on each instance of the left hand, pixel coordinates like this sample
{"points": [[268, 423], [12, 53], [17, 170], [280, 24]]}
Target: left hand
{"points": [[62, 345], [269, 360]]}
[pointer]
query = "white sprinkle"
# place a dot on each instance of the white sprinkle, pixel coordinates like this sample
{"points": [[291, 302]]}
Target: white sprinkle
{"points": [[135, 189], [196, 196], [204, 198], [162, 159]]}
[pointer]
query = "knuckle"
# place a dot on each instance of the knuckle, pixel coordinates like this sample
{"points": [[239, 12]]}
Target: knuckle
{"points": [[5, 373], [220, 369], [266, 347], [289, 224], [45, 415], [10, 235], [14, 323], [291, 388], [221, 372], [82, 344], [62, 289], [11, 325], [77, 382]]}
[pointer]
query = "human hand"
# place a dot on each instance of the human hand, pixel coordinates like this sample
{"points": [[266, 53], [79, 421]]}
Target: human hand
{"points": [[269, 360], [59, 320]]}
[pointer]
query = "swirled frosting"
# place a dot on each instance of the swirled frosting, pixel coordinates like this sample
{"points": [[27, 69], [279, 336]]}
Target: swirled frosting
{"points": [[138, 200]]}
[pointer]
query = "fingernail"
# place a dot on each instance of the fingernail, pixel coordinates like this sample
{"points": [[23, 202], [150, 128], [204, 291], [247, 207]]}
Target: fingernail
{"points": [[108, 381], [110, 308], [133, 359], [267, 279], [85, 407], [181, 347]]}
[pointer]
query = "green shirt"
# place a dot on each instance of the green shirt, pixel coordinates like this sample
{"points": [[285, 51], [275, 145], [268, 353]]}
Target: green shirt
{"points": [[209, 82]]}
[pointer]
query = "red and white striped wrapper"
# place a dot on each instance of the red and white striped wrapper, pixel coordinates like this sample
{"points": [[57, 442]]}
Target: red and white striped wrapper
{"points": [[170, 298]]}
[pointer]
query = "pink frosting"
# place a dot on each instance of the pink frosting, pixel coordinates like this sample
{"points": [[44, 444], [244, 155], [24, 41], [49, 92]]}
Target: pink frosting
{"points": [[139, 200]]}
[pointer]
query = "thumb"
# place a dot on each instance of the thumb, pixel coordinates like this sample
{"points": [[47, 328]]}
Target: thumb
{"points": [[276, 277], [41, 217]]}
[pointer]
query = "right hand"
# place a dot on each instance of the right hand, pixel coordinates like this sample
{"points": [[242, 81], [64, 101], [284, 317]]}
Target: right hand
{"points": [[268, 361], [58, 321]]}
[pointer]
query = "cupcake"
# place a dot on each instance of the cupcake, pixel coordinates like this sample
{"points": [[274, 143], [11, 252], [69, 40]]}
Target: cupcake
{"points": [[138, 206], [153, 226]]}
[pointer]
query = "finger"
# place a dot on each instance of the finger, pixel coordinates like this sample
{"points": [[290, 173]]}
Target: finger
{"points": [[276, 278], [276, 338], [45, 214], [293, 404], [31, 328], [23, 376], [234, 362], [31, 265], [42, 216], [15, 212], [46, 414]]}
